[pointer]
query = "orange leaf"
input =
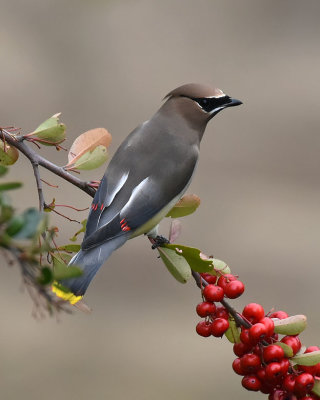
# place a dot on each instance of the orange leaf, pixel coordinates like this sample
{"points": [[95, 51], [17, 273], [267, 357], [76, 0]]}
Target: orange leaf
{"points": [[88, 141]]}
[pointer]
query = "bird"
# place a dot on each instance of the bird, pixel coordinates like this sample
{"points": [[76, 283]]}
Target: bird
{"points": [[146, 177]]}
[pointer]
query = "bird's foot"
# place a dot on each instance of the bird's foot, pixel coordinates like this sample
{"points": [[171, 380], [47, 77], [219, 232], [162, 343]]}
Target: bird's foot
{"points": [[159, 241]]}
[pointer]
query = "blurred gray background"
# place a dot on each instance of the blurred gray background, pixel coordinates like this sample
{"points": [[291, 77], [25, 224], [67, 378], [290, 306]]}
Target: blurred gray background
{"points": [[109, 63]]}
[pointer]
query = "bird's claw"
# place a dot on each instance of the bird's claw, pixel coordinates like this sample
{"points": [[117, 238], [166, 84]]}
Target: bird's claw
{"points": [[159, 241]]}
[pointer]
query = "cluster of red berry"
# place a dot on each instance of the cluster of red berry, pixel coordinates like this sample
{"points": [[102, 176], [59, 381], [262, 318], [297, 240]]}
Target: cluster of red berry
{"points": [[216, 318], [264, 361]]}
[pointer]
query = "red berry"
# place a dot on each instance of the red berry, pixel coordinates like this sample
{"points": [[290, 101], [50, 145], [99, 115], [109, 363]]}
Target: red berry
{"points": [[245, 338], [311, 349], [205, 309], [289, 383], [250, 363], [251, 382], [209, 278], [213, 293], [240, 349], [269, 324], [221, 312], [257, 332], [312, 369], [257, 349], [219, 326], [279, 315], [273, 371], [266, 387], [285, 364], [225, 279], [261, 374], [272, 353], [234, 289], [293, 342], [236, 365], [304, 383], [203, 328], [279, 394], [253, 312]]}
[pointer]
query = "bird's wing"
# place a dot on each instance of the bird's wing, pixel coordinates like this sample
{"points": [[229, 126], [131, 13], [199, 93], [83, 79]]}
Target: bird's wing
{"points": [[132, 191], [102, 200]]}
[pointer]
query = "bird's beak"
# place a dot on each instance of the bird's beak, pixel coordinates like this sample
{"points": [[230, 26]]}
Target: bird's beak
{"points": [[233, 102]]}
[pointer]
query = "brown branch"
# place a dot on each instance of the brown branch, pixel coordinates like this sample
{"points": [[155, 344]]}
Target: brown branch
{"points": [[36, 159], [237, 317], [201, 283]]}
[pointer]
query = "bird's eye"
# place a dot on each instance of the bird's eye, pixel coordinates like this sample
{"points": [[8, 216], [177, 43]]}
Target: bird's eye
{"points": [[203, 102], [211, 103]]}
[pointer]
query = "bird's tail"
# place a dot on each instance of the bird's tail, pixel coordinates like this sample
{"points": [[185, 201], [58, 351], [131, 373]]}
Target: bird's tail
{"points": [[89, 261]]}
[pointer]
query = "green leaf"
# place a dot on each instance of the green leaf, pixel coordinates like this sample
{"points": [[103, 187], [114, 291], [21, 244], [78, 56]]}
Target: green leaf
{"points": [[187, 205], [86, 142], [233, 332], [10, 185], [8, 154], [307, 359], [193, 257], [176, 264], [220, 266], [83, 229], [62, 271], [15, 225], [46, 276], [73, 248], [316, 387], [50, 132], [92, 159], [288, 352], [32, 219], [291, 325], [3, 170], [6, 209]]}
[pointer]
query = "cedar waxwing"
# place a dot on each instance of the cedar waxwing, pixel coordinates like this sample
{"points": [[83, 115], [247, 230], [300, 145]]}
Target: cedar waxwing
{"points": [[148, 174]]}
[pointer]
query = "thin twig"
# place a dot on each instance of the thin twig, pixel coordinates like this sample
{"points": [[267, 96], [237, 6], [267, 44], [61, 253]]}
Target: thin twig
{"points": [[36, 172], [73, 208], [30, 279], [62, 215], [49, 184]]}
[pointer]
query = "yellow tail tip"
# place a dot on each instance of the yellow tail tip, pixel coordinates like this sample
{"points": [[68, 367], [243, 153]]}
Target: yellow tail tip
{"points": [[64, 295]]}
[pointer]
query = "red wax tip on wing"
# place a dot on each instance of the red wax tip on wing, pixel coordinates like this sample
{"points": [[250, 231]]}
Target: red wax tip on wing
{"points": [[96, 206], [122, 221], [102, 205]]}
